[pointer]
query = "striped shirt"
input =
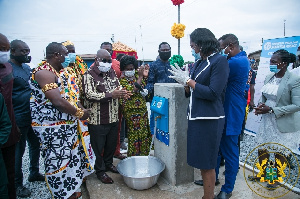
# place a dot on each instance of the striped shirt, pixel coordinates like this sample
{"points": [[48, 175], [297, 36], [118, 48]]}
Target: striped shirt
{"points": [[97, 89]]}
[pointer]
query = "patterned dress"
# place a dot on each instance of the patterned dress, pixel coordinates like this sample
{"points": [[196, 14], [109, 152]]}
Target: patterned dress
{"points": [[65, 144], [135, 113]]}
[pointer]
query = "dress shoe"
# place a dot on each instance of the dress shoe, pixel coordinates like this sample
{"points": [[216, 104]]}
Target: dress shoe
{"points": [[22, 192], [120, 156], [112, 168], [75, 195], [224, 195], [200, 182], [104, 178], [39, 177]]}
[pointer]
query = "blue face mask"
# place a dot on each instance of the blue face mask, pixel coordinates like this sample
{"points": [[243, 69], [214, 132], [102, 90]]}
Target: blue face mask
{"points": [[274, 69], [196, 55], [66, 62], [223, 52], [72, 57]]}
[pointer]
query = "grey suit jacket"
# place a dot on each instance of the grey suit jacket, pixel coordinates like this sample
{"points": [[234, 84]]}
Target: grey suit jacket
{"points": [[287, 102]]}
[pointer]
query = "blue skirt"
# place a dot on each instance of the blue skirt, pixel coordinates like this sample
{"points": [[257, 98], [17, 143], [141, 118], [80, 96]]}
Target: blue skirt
{"points": [[203, 141]]}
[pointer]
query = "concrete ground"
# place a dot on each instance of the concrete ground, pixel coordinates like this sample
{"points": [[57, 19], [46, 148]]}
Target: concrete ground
{"points": [[119, 190]]}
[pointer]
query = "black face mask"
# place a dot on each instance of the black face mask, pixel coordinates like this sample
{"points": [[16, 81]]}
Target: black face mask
{"points": [[21, 59], [165, 55]]}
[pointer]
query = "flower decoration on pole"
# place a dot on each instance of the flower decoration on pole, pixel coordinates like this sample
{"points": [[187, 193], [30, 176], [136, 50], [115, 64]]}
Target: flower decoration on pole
{"points": [[177, 2], [177, 59], [177, 30]]}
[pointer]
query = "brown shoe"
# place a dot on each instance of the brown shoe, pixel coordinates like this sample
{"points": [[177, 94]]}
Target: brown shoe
{"points": [[120, 156], [75, 195], [104, 178], [112, 168]]}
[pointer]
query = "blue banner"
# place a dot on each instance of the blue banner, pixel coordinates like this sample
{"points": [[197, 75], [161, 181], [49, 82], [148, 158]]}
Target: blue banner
{"points": [[287, 43]]}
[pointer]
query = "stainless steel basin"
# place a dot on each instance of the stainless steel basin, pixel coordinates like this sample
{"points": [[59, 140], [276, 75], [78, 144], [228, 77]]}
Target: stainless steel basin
{"points": [[141, 172]]}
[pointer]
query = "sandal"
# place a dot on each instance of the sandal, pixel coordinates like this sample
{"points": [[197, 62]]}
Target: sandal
{"points": [[75, 195]]}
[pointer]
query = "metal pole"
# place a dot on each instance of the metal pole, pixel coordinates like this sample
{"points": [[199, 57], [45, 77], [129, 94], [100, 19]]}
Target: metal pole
{"points": [[179, 23], [284, 27]]}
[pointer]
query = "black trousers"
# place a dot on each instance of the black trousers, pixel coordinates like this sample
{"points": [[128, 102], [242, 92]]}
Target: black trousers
{"points": [[104, 141], [9, 160]]}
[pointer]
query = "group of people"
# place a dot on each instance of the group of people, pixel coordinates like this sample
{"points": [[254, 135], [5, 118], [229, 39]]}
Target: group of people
{"points": [[217, 84], [75, 115], [70, 113]]}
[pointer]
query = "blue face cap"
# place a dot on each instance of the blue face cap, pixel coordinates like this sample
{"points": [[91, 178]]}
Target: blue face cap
{"points": [[66, 62], [72, 57], [274, 69], [196, 55], [223, 52]]}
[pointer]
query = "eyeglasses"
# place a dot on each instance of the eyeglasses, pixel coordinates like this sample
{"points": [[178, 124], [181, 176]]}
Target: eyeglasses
{"points": [[103, 60]]}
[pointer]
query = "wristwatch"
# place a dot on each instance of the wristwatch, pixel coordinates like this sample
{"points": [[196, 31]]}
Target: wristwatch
{"points": [[271, 110]]}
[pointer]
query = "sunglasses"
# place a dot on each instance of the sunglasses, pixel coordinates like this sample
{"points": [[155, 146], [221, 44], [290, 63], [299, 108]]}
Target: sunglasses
{"points": [[103, 60]]}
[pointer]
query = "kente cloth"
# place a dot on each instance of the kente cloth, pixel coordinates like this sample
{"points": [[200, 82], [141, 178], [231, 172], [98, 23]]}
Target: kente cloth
{"points": [[65, 141], [135, 112]]}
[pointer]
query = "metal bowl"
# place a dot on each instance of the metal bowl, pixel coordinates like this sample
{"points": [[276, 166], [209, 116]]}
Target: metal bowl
{"points": [[140, 172]]}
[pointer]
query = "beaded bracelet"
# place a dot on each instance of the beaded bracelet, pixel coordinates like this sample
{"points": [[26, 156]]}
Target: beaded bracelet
{"points": [[48, 87], [79, 113]]}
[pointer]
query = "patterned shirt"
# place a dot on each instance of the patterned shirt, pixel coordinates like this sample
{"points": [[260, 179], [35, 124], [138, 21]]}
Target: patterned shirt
{"points": [[98, 88], [159, 73]]}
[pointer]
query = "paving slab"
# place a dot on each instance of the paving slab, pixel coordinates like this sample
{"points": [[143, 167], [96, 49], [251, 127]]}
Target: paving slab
{"points": [[119, 190]]}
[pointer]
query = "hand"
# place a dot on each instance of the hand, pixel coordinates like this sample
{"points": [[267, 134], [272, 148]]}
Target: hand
{"points": [[179, 75], [141, 71], [251, 106], [261, 109], [121, 93], [86, 114], [146, 70]]}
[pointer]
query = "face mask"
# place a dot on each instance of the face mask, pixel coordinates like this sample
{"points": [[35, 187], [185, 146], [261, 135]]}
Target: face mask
{"points": [[196, 55], [223, 52], [165, 55], [21, 59], [129, 73], [4, 57], [66, 62], [72, 57], [104, 67], [274, 69]]}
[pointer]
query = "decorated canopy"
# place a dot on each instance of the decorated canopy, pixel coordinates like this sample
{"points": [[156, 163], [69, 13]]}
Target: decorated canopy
{"points": [[119, 48]]}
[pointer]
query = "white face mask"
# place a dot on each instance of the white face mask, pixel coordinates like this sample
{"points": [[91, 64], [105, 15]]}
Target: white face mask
{"points": [[104, 67], [4, 57], [129, 73]]}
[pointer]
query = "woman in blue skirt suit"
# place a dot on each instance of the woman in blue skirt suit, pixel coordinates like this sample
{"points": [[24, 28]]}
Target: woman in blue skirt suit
{"points": [[206, 87]]}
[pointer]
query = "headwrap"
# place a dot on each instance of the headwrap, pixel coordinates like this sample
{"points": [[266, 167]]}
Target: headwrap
{"points": [[67, 43]]}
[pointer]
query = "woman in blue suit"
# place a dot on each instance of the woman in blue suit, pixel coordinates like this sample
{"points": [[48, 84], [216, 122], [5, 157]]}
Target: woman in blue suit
{"points": [[206, 87]]}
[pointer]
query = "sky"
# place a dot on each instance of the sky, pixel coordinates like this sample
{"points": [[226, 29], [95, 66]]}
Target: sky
{"points": [[144, 24]]}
